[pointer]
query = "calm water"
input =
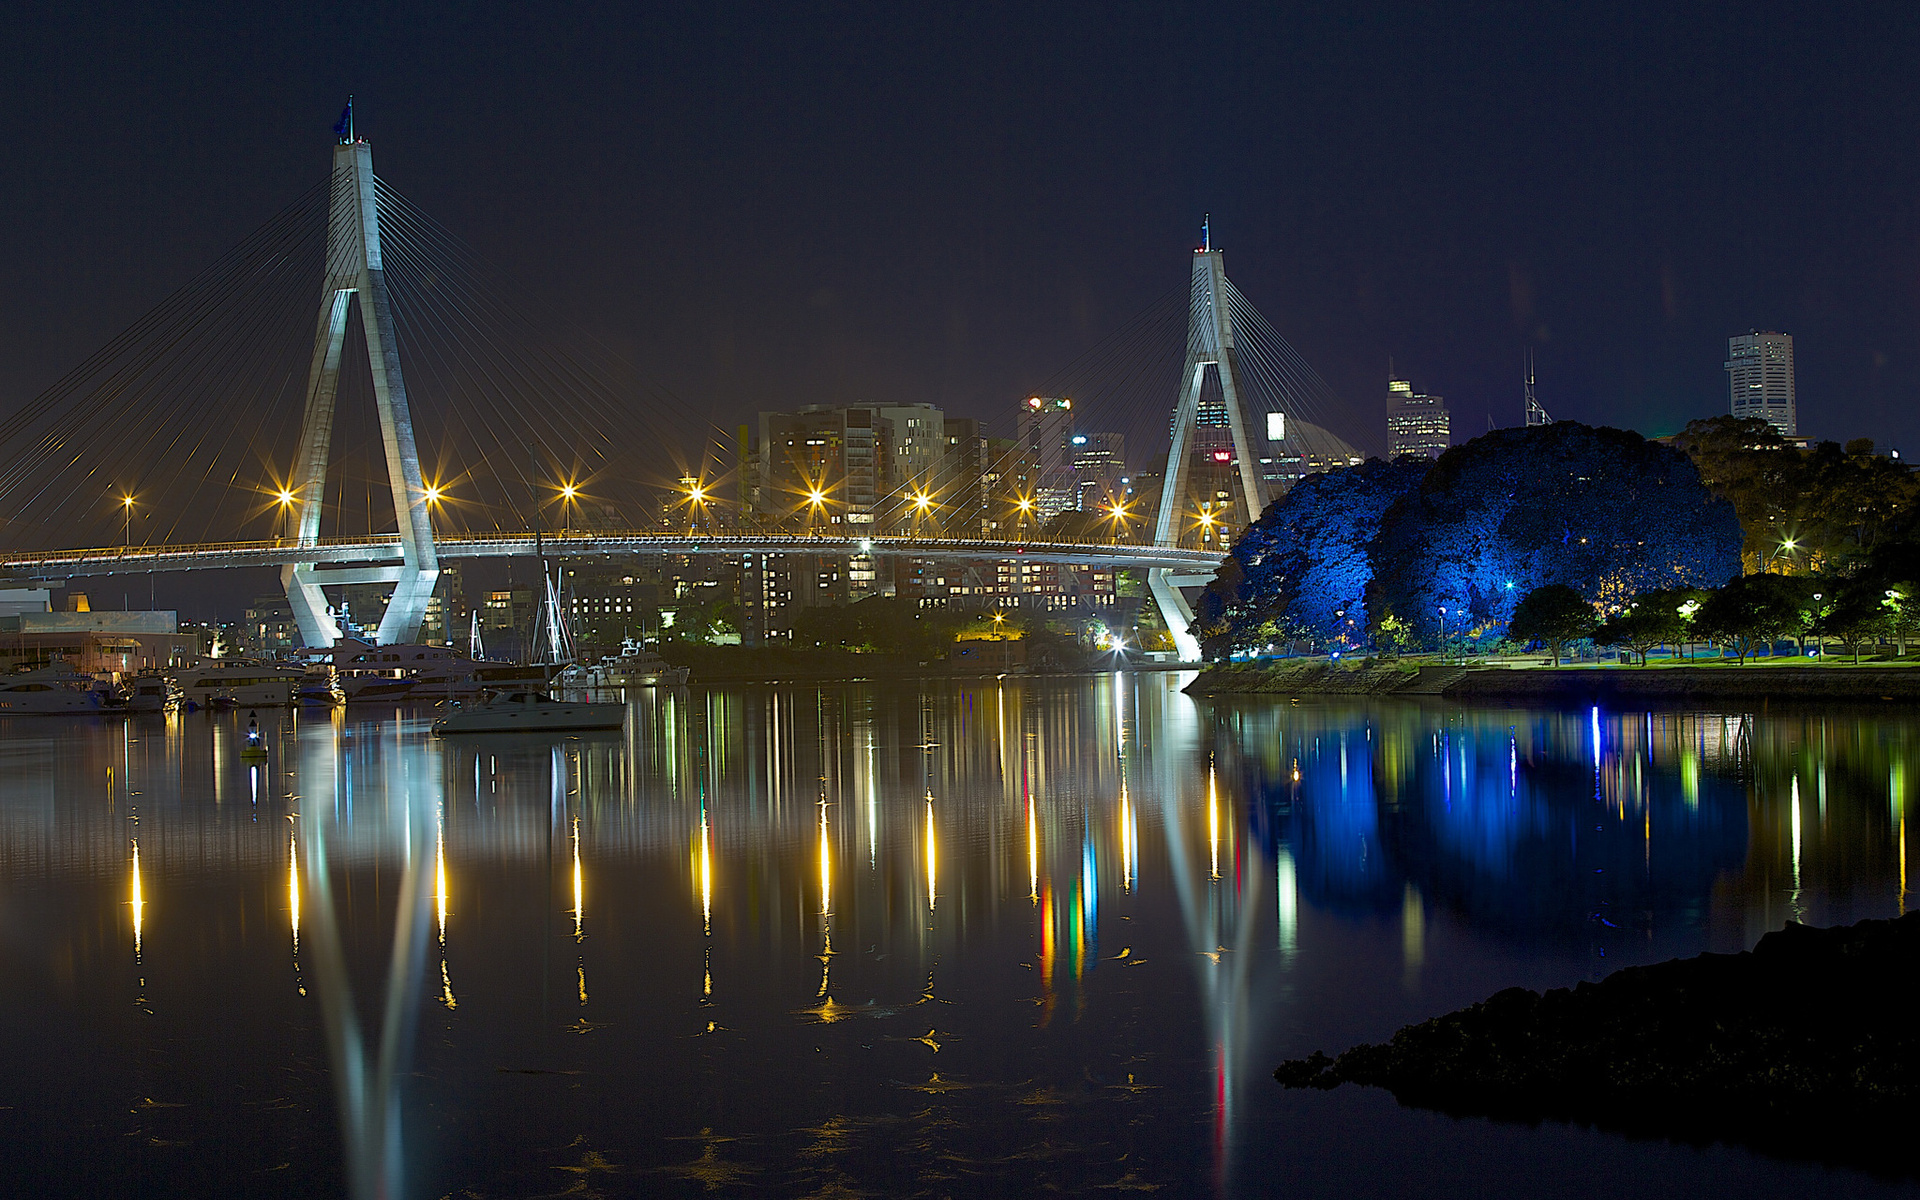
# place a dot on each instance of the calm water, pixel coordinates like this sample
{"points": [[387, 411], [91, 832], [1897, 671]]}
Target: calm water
{"points": [[971, 940]]}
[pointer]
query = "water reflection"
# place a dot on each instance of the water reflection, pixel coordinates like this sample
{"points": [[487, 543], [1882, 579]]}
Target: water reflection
{"points": [[1059, 889]]}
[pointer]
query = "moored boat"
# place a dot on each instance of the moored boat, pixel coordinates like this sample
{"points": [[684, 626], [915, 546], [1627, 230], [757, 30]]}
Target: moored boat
{"points": [[56, 689], [232, 683], [635, 666]]}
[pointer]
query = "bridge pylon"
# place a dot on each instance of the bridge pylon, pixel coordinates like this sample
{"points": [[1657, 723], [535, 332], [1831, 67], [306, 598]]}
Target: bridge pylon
{"points": [[1209, 344], [354, 271]]}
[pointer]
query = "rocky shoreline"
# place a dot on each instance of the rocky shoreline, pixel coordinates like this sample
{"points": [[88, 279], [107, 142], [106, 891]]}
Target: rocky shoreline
{"points": [[1319, 677], [1803, 1047]]}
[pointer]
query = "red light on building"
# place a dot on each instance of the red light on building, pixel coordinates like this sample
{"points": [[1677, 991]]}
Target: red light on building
{"points": [[1223, 456]]}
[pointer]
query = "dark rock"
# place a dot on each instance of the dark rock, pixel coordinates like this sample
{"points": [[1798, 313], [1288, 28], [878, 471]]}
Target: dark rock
{"points": [[1805, 1047]]}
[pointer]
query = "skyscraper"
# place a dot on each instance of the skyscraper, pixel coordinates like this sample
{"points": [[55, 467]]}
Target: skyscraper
{"points": [[1046, 433], [1760, 379], [1417, 424]]}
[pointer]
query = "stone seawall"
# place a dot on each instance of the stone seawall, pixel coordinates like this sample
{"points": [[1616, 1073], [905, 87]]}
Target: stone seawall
{"points": [[1562, 684]]}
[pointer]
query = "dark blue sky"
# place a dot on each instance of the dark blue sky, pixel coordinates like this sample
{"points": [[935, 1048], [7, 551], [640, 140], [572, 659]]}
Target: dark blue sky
{"points": [[769, 205]]}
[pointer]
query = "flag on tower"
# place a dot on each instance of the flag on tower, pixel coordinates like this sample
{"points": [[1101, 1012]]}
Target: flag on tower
{"points": [[343, 128]]}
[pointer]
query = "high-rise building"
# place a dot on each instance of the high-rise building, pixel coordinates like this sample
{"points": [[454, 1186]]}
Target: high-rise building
{"points": [[853, 457], [1046, 442], [1417, 423], [1099, 469], [1760, 379]]}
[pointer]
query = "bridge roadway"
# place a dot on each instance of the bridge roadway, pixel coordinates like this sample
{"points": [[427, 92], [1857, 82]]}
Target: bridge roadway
{"points": [[1190, 566]]}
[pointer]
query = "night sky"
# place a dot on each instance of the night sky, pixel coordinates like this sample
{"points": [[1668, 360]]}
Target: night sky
{"points": [[774, 205]]}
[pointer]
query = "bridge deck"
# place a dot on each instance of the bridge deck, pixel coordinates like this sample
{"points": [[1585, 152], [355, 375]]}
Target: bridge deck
{"points": [[120, 560]]}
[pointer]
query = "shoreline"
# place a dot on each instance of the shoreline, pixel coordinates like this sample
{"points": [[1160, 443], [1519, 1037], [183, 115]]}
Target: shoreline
{"points": [[1579, 684], [1799, 1048]]}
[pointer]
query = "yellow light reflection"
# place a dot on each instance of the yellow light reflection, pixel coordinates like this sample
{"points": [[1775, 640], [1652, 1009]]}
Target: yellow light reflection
{"points": [[706, 879], [579, 888], [932, 855], [138, 901], [826, 865], [1213, 823], [1129, 845], [293, 888]]}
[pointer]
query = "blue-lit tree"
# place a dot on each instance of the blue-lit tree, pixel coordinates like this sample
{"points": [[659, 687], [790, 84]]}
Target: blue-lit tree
{"points": [[1602, 511], [1301, 570]]}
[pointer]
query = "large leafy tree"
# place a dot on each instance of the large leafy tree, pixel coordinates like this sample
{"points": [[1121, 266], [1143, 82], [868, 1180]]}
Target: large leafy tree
{"points": [[1653, 619], [1824, 509], [1753, 611], [1554, 614], [1302, 569], [1602, 511]]}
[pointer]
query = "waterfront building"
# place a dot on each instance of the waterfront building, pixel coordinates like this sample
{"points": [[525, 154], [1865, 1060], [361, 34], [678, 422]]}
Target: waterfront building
{"points": [[267, 629], [97, 643], [1418, 425], [1760, 379]]}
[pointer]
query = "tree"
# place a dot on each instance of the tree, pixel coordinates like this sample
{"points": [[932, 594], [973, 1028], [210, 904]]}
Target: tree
{"points": [[1853, 615], [1554, 614], [1603, 511], [1302, 569], [1747, 462], [1654, 619], [1751, 611], [1901, 603]]}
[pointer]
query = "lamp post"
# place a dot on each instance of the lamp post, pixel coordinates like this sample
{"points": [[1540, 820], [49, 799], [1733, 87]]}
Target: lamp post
{"points": [[1444, 655], [1117, 514], [568, 491]]}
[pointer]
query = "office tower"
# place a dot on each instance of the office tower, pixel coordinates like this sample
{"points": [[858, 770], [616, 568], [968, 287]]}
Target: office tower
{"points": [[1760, 379], [1046, 442], [1099, 468], [1417, 424]]}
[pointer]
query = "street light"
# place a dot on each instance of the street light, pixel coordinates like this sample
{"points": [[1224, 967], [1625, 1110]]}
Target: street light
{"points": [[1117, 513], [126, 508], [1443, 632], [285, 497]]}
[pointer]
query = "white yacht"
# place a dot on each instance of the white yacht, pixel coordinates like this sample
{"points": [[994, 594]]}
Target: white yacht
{"points": [[420, 672], [530, 712], [240, 683], [635, 666], [55, 689]]}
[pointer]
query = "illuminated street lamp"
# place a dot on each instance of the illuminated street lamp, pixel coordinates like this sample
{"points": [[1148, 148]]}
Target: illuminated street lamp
{"points": [[816, 505], [286, 498], [126, 511], [1443, 631], [1117, 513]]}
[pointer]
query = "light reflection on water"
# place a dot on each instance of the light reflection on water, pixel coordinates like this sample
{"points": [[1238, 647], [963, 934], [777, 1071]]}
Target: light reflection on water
{"points": [[972, 939]]}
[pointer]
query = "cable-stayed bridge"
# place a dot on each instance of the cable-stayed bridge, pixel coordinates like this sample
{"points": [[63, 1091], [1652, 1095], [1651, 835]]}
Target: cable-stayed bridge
{"points": [[431, 412]]}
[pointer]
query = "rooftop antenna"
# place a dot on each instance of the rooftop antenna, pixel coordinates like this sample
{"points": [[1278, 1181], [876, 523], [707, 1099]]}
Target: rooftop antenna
{"points": [[1206, 233], [1536, 415]]}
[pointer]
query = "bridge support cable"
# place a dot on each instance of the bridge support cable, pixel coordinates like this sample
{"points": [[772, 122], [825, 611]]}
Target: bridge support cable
{"points": [[167, 411]]}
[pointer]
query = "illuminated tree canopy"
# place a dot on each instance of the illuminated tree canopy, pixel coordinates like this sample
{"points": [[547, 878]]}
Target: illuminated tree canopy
{"points": [[1302, 569], [1602, 511]]}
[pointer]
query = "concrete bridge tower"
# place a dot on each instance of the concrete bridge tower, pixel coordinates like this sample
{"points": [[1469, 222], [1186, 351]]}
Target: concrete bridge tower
{"points": [[354, 272], [1209, 344]]}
